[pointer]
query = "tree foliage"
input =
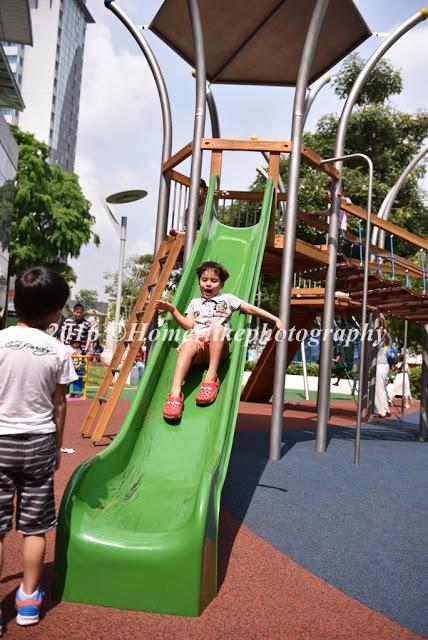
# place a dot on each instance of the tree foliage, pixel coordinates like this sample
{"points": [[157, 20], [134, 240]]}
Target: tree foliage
{"points": [[136, 270], [51, 218], [88, 297], [383, 82], [391, 138]]}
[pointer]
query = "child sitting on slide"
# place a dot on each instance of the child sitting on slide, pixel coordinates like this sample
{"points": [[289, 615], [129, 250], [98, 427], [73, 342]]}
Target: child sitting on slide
{"points": [[207, 320]]}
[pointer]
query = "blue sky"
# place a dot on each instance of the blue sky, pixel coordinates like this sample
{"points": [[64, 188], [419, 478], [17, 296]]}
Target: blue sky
{"points": [[120, 126]]}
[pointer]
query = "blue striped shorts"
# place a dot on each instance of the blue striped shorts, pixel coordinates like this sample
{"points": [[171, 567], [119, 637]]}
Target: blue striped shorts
{"points": [[27, 467]]}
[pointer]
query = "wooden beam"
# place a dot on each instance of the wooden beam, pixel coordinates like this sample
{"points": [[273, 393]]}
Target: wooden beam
{"points": [[180, 178], [314, 160], [304, 248], [413, 269], [225, 144], [227, 194], [273, 171], [216, 163], [390, 227], [178, 157]]}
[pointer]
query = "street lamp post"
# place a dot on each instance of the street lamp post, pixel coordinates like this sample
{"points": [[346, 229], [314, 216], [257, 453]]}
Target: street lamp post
{"points": [[122, 197]]}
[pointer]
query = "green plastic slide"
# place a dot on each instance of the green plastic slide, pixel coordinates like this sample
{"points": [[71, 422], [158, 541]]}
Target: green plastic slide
{"points": [[138, 524]]}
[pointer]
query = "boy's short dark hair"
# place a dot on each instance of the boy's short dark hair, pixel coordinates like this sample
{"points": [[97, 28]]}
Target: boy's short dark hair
{"points": [[218, 268], [78, 305], [38, 292], [203, 184]]}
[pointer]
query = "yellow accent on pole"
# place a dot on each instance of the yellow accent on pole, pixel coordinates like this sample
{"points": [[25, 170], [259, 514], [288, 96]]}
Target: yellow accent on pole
{"points": [[254, 137], [424, 12]]}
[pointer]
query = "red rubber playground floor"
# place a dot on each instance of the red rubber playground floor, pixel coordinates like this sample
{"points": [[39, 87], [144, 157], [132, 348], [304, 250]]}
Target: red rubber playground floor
{"points": [[266, 588]]}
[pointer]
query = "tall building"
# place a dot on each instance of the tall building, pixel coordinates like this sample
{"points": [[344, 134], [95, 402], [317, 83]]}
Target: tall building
{"points": [[14, 25], [49, 75]]}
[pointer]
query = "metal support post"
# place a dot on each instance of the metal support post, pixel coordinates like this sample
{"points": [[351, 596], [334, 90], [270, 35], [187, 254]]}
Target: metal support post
{"points": [[362, 383], [199, 126], [290, 225], [305, 370], [164, 184], [365, 390], [423, 420], [386, 206], [404, 364], [120, 279], [330, 285], [212, 109]]}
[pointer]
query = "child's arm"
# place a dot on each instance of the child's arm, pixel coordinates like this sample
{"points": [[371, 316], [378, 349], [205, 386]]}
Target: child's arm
{"points": [[252, 310], [59, 413], [185, 322]]}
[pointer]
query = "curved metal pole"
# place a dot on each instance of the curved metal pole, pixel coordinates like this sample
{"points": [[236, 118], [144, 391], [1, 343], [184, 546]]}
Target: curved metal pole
{"points": [[330, 285], [290, 224], [386, 206], [313, 92], [199, 126], [164, 184], [363, 347], [212, 108]]}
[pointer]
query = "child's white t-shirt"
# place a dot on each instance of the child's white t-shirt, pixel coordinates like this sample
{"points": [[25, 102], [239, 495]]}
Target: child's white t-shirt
{"points": [[32, 363], [217, 310]]}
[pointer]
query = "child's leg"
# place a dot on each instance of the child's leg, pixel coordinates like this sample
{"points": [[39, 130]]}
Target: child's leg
{"points": [[185, 358], [33, 558], [1, 551], [218, 346]]}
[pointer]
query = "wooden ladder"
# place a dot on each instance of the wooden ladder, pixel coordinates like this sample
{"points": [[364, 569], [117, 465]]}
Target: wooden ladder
{"points": [[138, 324]]}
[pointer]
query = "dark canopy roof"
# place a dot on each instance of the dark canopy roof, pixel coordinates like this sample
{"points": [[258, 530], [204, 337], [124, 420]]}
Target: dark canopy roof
{"points": [[10, 95], [261, 41], [15, 22]]}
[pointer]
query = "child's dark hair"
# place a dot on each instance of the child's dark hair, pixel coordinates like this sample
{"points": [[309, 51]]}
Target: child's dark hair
{"points": [[218, 268], [38, 292]]}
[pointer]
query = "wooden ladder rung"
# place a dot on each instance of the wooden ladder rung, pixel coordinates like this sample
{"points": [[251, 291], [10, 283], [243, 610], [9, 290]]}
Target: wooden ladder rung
{"points": [[115, 370], [102, 399]]}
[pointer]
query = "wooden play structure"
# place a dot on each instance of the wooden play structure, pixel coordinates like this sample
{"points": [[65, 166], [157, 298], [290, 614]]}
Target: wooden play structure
{"points": [[388, 296]]}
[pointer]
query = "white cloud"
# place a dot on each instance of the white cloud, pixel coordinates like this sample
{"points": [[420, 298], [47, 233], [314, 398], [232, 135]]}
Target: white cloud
{"points": [[410, 54]]}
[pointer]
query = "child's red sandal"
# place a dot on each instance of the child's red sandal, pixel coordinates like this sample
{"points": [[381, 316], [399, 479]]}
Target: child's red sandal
{"points": [[173, 407], [207, 393]]}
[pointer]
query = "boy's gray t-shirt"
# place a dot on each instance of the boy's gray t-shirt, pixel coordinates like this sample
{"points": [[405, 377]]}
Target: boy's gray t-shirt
{"points": [[217, 310]]}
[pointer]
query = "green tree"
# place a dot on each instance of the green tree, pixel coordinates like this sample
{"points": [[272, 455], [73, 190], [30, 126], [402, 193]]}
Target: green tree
{"points": [[51, 218], [135, 272], [88, 297], [390, 137]]}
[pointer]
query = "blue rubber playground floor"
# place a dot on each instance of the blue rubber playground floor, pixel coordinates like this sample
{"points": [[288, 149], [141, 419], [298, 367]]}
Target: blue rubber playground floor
{"points": [[362, 529]]}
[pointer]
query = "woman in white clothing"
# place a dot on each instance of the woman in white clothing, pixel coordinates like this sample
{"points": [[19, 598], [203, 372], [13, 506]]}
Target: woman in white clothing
{"points": [[397, 386], [381, 407]]}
